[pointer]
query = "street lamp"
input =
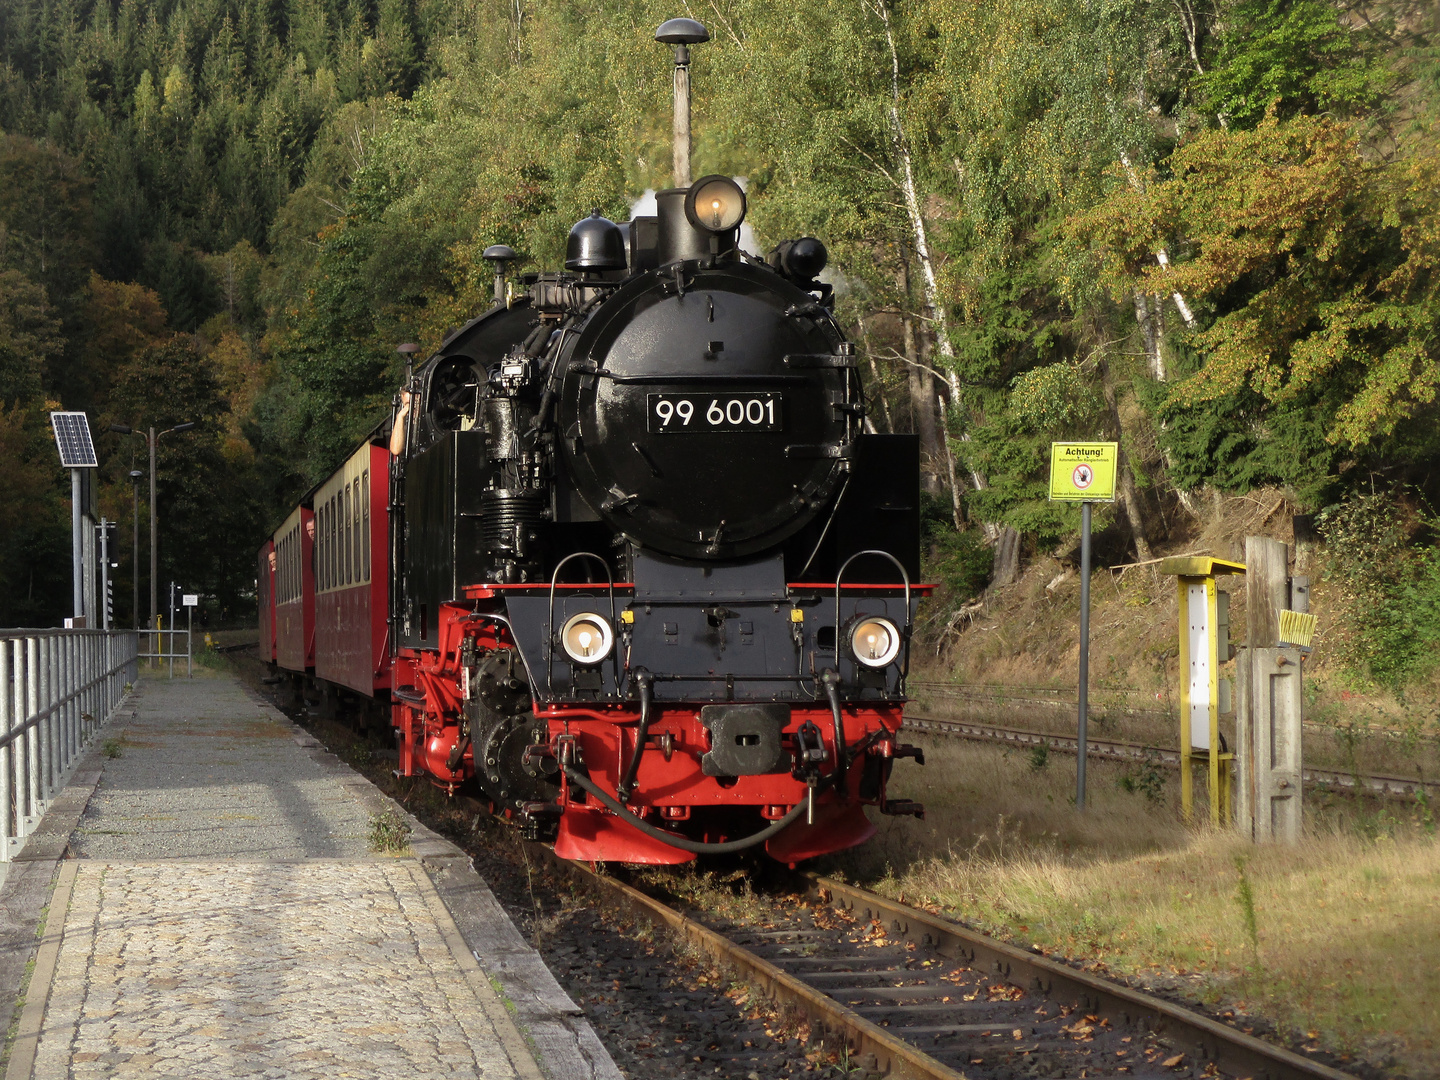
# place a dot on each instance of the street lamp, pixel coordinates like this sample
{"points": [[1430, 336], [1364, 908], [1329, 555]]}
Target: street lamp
{"points": [[151, 440], [136, 475]]}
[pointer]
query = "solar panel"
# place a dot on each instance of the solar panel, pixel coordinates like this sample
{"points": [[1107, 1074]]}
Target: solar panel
{"points": [[72, 436]]}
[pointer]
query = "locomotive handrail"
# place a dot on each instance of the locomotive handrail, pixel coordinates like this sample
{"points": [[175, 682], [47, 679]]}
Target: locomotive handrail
{"points": [[904, 576], [550, 617], [831, 679]]}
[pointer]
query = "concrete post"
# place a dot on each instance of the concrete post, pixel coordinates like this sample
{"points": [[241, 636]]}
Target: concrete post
{"points": [[17, 671], [1269, 706], [7, 721], [32, 736]]}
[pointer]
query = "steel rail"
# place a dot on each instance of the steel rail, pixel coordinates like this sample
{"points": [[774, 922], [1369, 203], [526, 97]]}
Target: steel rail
{"points": [[1128, 751], [1233, 1051], [895, 1057], [1185, 1030]]}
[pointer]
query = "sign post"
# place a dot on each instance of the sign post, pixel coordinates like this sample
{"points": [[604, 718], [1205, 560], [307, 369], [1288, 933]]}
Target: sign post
{"points": [[1083, 473], [190, 600], [104, 574]]}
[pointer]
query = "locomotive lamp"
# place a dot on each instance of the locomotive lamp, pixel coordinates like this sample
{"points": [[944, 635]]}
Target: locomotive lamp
{"points": [[587, 638], [875, 642], [715, 204], [682, 33]]}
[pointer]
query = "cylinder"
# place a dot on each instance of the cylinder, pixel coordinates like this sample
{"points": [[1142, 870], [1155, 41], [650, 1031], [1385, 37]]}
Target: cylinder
{"points": [[680, 127], [678, 238], [508, 517]]}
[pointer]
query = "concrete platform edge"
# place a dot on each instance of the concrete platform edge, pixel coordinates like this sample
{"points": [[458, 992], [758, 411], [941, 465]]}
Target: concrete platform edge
{"points": [[560, 1038], [29, 883]]}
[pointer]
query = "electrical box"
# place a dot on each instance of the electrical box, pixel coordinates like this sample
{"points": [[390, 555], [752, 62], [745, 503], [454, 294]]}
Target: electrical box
{"points": [[1204, 694]]}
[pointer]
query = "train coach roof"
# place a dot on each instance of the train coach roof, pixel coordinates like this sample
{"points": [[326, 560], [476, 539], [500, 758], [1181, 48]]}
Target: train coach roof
{"points": [[377, 435]]}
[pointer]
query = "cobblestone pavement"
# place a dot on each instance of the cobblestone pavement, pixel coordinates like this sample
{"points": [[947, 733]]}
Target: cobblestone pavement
{"points": [[226, 920], [308, 969], [206, 771]]}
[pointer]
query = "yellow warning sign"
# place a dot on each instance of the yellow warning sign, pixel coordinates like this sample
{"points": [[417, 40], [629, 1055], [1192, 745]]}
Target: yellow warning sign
{"points": [[1083, 471]]}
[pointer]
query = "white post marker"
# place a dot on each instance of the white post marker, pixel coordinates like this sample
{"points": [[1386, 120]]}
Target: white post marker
{"points": [[190, 601], [1083, 472]]}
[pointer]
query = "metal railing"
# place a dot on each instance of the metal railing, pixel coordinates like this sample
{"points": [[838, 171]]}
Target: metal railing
{"points": [[157, 647], [56, 688]]}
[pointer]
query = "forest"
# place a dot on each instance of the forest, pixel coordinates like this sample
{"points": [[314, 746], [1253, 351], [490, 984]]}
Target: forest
{"points": [[1206, 229]]}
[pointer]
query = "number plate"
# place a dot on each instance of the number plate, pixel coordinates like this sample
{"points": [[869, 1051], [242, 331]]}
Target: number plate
{"points": [[715, 412]]}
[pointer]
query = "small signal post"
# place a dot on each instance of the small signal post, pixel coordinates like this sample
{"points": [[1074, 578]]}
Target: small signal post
{"points": [[1083, 472]]}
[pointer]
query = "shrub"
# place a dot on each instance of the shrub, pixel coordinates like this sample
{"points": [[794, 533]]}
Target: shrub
{"points": [[1388, 586]]}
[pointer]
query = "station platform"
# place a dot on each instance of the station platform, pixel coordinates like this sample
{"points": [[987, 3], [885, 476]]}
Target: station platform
{"points": [[206, 904]]}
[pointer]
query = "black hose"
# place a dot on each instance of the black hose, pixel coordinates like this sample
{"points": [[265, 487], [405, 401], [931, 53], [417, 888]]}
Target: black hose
{"points": [[830, 679], [693, 846], [642, 732]]}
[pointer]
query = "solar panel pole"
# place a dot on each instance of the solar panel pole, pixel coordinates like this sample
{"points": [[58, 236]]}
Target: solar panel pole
{"points": [[77, 547]]}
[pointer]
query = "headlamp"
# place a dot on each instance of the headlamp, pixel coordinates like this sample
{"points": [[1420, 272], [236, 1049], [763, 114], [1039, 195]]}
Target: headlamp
{"points": [[875, 642], [587, 638], [716, 204]]}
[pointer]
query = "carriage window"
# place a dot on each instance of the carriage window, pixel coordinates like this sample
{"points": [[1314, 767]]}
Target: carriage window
{"points": [[319, 547], [335, 540], [365, 521], [349, 536]]}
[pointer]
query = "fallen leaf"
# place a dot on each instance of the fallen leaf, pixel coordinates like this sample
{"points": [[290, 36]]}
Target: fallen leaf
{"points": [[1171, 1063]]}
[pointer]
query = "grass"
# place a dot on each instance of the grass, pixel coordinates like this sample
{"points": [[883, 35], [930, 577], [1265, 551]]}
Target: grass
{"points": [[1332, 940], [111, 748], [1026, 635], [389, 833]]}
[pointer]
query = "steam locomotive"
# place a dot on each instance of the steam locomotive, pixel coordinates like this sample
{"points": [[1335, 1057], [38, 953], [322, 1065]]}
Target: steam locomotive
{"points": [[635, 570]]}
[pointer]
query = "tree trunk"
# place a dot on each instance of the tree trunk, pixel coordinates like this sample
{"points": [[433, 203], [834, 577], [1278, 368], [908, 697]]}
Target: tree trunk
{"points": [[880, 393], [922, 407], [1150, 336], [1124, 476], [956, 507], [1161, 255], [1006, 567]]}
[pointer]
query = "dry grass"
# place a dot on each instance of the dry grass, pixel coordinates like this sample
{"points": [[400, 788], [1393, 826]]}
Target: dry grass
{"points": [[1345, 952]]}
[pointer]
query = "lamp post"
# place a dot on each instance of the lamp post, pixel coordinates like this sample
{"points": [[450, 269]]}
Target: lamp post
{"points": [[152, 441], [136, 476]]}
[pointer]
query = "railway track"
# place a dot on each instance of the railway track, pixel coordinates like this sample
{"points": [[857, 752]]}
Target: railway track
{"points": [[912, 996], [1330, 779]]}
